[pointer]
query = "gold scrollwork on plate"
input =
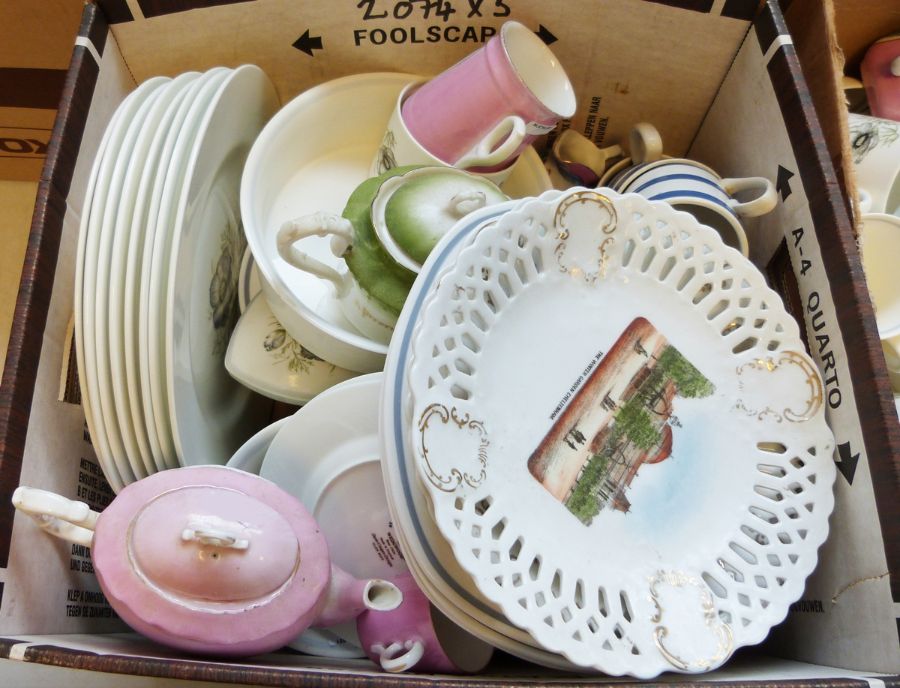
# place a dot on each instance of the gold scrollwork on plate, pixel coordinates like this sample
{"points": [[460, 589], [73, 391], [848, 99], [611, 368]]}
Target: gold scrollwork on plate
{"points": [[724, 639], [456, 476], [814, 392], [607, 223]]}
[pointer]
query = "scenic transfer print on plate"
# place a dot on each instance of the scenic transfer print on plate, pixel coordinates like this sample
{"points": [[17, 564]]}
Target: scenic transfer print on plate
{"points": [[618, 424], [621, 435]]}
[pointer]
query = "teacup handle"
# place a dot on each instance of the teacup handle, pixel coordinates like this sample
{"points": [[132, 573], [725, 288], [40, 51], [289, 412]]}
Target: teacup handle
{"points": [[317, 224], [506, 136], [760, 205], [65, 518], [392, 662], [645, 143]]}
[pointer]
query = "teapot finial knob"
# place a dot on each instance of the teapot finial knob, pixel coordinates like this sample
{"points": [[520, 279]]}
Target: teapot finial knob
{"points": [[215, 532]]}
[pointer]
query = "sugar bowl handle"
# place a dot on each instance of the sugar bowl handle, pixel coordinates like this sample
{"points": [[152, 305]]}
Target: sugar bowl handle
{"points": [[58, 515], [317, 224]]}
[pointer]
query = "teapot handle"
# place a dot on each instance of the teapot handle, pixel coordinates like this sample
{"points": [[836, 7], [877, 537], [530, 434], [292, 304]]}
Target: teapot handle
{"points": [[59, 516], [317, 224]]}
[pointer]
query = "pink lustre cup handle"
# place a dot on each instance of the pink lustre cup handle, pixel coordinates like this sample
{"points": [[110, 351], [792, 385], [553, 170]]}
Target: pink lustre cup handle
{"points": [[410, 653], [497, 146], [317, 224]]}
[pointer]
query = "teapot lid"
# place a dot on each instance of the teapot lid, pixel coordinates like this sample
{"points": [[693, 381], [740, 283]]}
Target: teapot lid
{"points": [[211, 559]]}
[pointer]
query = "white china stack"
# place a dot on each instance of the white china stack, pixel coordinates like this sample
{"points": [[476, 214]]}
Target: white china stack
{"points": [[159, 250]]}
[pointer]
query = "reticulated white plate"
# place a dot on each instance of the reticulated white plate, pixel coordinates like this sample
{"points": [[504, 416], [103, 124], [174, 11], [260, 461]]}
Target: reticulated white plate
{"points": [[211, 414], [474, 625], [621, 434], [430, 557], [150, 365], [105, 433], [131, 225]]}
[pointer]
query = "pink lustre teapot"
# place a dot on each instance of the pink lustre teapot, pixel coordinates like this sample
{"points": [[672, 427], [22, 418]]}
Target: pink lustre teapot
{"points": [[211, 560]]}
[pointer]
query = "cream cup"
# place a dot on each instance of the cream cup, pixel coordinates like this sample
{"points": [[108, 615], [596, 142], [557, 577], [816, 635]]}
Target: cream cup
{"points": [[695, 188]]}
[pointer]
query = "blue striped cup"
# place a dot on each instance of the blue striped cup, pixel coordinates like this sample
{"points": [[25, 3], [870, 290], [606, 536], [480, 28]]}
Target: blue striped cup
{"points": [[695, 188]]}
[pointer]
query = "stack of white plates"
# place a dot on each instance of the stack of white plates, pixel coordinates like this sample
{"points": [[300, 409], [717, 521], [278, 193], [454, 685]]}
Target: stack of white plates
{"points": [[159, 252], [529, 518]]}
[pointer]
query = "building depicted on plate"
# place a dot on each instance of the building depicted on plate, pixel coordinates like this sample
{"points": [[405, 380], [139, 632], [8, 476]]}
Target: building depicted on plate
{"points": [[618, 421]]}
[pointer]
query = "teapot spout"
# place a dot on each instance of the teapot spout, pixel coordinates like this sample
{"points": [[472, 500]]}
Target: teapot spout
{"points": [[348, 597]]}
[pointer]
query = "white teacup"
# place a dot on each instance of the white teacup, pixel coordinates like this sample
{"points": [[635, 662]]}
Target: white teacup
{"points": [[695, 188], [875, 145], [880, 247], [399, 148]]}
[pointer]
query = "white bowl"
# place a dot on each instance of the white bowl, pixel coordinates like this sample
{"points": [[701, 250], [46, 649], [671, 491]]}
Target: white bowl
{"points": [[309, 158]]}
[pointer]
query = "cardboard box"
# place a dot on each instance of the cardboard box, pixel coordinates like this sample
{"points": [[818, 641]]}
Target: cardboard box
{"points": [[721, 79], [35, 47]]}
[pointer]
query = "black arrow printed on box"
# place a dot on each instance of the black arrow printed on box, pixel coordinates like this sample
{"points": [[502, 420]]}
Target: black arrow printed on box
{"points": [[544, 34], [782, 182], [307, 43], [848, 461]]}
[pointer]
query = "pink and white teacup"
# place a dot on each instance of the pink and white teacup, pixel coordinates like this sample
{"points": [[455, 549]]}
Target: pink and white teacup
{"points": [[494, 150], [416, 635], [514, 73]]}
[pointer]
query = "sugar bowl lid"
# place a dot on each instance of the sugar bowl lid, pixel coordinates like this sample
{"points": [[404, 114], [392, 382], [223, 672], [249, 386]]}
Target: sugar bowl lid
{"points": [[211, 559]]}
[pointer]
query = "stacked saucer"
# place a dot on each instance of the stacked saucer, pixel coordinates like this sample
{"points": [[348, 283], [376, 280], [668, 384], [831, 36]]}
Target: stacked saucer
{"points": [[159, 251], [603, 442]]}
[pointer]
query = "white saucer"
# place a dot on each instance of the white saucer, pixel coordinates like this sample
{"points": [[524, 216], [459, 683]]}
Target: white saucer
{"points": [[309, 158], [263, 357], [328, 457]]}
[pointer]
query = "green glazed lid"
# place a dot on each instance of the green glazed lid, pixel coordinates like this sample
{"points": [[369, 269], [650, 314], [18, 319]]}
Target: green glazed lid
{"points": [[375, 271], [411, 213], [397, 219]]}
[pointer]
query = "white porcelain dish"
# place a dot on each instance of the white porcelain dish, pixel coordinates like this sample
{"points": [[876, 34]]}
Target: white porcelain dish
{"points": [[209, 413], [328, 456], [562, 480], [263, 357], [309, 158], [409, 505]]}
